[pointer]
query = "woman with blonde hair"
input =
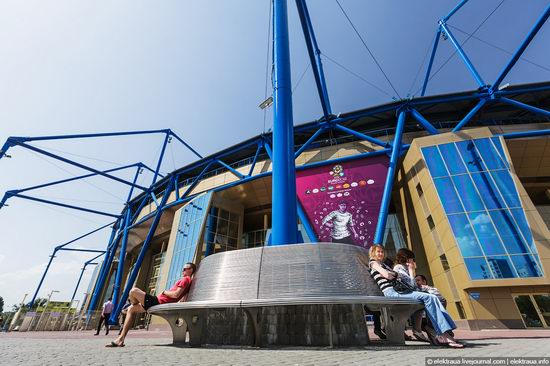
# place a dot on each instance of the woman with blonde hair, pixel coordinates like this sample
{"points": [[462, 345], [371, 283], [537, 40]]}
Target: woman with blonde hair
{"points": [[385, 277]]}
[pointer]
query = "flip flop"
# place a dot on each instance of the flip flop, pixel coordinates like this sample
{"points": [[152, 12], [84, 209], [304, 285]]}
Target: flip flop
{"points": [[455, 345], [114, 345]]}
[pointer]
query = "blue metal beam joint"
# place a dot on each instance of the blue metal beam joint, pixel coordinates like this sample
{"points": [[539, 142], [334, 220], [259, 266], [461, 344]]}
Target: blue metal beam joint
{"points": [[456, 44], [386, 197]]}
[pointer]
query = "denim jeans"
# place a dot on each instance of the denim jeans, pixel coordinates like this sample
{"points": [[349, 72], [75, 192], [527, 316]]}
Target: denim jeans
{"points": [[439, 317]]}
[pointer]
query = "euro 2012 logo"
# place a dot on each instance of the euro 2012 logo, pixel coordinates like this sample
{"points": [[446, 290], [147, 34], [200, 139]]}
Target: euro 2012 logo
{"points": [[337, 171]]}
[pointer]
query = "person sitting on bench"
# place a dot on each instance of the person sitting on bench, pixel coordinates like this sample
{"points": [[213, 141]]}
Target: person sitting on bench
{"points": [[383, 276], [141, 301]]}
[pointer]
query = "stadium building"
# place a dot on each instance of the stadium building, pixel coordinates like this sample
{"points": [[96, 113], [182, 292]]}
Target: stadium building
{"points": [[462, 179], [474, 205]]}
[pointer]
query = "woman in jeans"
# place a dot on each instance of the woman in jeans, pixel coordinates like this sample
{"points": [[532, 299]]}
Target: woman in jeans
{"points": [[405, 268], [442, 321]]}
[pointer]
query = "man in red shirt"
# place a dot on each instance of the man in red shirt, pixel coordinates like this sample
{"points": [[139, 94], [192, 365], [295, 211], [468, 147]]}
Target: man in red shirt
{"points": [[141, 301]]}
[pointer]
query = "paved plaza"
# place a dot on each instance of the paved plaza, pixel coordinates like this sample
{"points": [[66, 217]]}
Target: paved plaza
{"points": [[154, 347]]}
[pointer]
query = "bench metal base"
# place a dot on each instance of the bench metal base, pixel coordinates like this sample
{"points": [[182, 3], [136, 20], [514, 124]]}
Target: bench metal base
{"points": [[302, 325], [333, 325]]}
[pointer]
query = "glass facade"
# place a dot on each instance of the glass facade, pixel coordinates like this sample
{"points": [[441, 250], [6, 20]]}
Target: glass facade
{"points": [[223, 231], [192, 219], [473, 181]]}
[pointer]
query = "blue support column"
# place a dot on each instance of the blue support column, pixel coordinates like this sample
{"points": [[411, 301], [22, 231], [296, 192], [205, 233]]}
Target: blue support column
{"points": [[86, 264], [159, 163], [521, 135], [121, 258], [82, 166], [386, 197], [268, 150], [463, 55], [360, 135], [59, 247], [105, 267], [196, 180], [305, 223], [77, 285], [527, 107], [233, 171], [143, 250], [542, 19], [455, 9], [424, 122], [122, 255], [64, 205], [314, 57], [284, 224], [308, 142], [43, 276], [470, 114], [255, 160], [430, 64]]}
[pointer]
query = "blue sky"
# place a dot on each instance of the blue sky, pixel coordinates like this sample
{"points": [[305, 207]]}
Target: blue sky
{"points": [[199, 68]]}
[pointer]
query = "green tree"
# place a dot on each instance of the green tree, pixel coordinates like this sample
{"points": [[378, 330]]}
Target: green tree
{"points": [[1, 305]]}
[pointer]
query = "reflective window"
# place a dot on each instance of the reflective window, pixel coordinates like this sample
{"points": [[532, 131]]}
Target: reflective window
{"points": [[470, 155], [478, 268], [452, 159], [507, 188], [486, 233], [526, 266], [482, 204], [509, 232], [500, 150], [464, 235], [488, 191], [448, 196], [490, 156], [434, 161], [501, 267], [524, 228], [467, 192]]}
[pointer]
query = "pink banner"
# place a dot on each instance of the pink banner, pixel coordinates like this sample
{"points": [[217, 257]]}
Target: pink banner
{"points": [[342, 201]]}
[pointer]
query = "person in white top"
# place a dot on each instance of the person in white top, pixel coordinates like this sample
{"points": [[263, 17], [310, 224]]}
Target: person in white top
{"points": [[105, 314], [406, 271], [341, 223]]}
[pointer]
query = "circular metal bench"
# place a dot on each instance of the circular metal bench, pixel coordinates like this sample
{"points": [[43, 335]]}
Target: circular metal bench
{"points": [[301, 294]]}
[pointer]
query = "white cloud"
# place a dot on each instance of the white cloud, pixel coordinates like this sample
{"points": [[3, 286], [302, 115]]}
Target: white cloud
{"points": [[481, 219]]}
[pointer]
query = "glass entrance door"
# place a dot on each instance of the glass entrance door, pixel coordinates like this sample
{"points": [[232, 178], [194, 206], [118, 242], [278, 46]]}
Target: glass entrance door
{"points": [[534, 310], [543, 304]]}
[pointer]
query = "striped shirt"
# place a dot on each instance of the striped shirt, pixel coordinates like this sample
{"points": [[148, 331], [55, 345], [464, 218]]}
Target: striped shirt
{"points": [[380, 280]]}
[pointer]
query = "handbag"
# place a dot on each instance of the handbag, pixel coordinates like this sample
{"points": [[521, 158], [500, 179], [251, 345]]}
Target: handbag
{"points": [[401, 287]]}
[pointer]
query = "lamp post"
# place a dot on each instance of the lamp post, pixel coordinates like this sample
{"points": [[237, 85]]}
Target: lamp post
{"points": [[45, 308], [16, 316]]}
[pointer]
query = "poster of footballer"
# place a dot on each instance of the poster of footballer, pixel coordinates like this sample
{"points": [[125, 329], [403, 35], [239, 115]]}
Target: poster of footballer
{"points": [[342, 201]]}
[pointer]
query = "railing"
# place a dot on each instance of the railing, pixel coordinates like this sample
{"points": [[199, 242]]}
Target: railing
{"points": [[56, 321]]}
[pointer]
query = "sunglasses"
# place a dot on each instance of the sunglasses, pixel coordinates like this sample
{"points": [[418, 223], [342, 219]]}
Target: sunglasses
{"points": [[186, 268]]}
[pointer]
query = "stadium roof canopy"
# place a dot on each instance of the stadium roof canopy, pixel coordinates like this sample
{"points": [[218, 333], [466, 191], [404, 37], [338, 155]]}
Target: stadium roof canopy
{"points": [[443, 111]]}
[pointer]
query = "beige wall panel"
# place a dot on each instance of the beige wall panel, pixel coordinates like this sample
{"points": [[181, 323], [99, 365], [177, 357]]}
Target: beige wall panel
{"points": [[500, 293], [439, 217], [537, 225], [485, 308], [507, 308]]}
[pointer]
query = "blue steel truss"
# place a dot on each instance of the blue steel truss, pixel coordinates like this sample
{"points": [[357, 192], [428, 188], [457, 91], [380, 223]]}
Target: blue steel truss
{"points": [[283, 153]]}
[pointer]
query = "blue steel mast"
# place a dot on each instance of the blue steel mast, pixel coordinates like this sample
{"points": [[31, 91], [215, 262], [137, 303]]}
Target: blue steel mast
{"points": [[284, 219]]}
